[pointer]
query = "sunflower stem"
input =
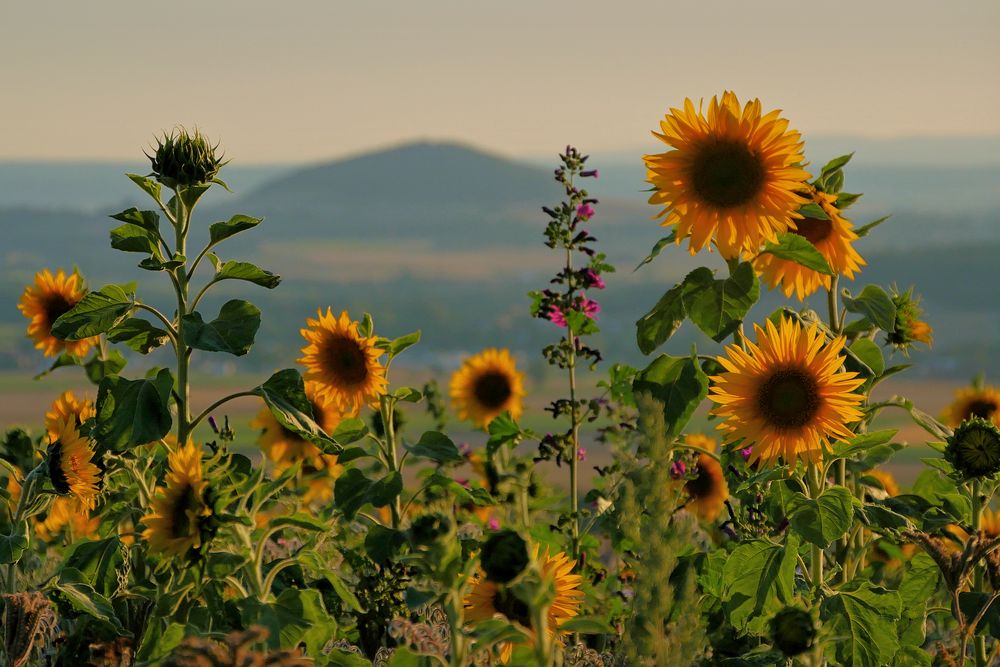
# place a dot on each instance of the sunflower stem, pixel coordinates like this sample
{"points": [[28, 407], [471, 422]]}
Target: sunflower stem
{"points": [[979, 644], [386, 405], [181, 288], [832, 305], [19, 521]]}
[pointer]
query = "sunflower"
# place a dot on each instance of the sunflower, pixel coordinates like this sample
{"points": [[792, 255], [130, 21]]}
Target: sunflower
{"points": [[43, 302], [489, 600], [319, 475], [708, 491], [66, 513], [990, 523], [65, 408], [284, 447], [733, 176], [885, 480], [785, 395], [343, 364], [71, 469], [486, 385], [175, 523], [908, 329], [832, 238], [980, 401]]}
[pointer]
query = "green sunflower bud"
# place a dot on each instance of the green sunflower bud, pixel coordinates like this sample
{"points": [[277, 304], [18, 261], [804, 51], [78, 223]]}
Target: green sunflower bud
{"points": [[184, 159], [909, 328], [504, 556], [792, 631], [974, 448], [428, 528]]}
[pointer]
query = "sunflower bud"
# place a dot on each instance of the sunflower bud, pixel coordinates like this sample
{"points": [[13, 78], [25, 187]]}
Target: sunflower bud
{"points": [[184, 159], [909, 328], [792, 631], [428, 528], [974, 448], [505, 555]]}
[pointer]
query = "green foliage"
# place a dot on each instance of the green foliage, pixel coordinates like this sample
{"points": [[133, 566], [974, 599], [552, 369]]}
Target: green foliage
{"points": [[133, 412], [233, 331]]}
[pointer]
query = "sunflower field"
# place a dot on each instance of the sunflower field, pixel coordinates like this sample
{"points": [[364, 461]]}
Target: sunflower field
{"points": [[743, 513]]}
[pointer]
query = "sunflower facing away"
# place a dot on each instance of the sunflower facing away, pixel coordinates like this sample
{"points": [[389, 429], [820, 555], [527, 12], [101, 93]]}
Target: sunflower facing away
{"points": [[486, 385], [785, 395], [982, 401], [343, 365], [832, 238], [178, 511], [66, 513], [708, 491], [731, 177], [285, 447], [71, 469], [67, 408], [44, 301], [489, 600]]}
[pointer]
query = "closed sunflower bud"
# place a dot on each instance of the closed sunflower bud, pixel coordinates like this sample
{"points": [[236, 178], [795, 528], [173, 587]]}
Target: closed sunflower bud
{"points": [[792, 631], [185, 159], [504, 556], [974, 448]]}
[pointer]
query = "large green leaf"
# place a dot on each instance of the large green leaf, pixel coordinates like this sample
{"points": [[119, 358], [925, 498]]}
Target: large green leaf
{"points": [[232, 331], [112, 364], [96, 313], [676, 382], [285, 395], [129, 238], [98, 562], [221, 231], [133, 412], [874, 304], [718, 307], [11, 547], [659, 324], [296, 616], [437, 447], [85, 600], [148, 220], [798, 249], [251, 273], [757, 580], [920, 583], [861, 621], [139, 335], [823, 520], [353, 490]]}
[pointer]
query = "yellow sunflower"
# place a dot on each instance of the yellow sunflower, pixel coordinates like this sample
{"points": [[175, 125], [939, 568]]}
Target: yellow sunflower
{"points": [[832, 238], [284, 447], [319, 474], [66, 408], [343, 365], [983, 401], [886, 480], [488, 600], [66, 513], [785, 395], [708, 491], [174, 525], [70, 464], [44, 301], [486, 385], [733, 176]]}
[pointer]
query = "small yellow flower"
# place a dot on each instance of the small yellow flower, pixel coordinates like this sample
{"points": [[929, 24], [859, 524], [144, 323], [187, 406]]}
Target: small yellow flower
{"points": [[71, 469], [178, 512], [43, 302], [486, 385], [67, 408]]}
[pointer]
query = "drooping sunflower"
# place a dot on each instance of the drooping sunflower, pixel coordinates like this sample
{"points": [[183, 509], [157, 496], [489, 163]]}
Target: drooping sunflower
{"points": [[67, 408], [785, 395], [44, 301], [708, 491], [66, 513], [178, 512], [909, 329], [732, 177], [343, 365], [488, 600], [70, 464], [832, 238], [285, 447], [979, 401], [487, 384]]}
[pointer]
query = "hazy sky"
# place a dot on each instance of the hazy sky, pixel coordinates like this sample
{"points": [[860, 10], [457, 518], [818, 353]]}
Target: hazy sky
{"points": [[307, 80]]}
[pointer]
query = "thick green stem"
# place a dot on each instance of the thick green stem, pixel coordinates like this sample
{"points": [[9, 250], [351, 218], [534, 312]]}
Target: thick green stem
{"points": [[386, 407], [979, 642], [183, 353], [19, 521], [832, 305], [574, 492]]}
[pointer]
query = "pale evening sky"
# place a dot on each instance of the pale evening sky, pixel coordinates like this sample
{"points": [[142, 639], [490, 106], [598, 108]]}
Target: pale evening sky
{"points": [[313, 79]]}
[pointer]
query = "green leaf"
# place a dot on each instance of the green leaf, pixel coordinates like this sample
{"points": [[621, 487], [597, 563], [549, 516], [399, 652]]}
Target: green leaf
{"points": [[874, 304], [659, 324], [861, 621], [139, 335], [798, 249], [657, 249], [869, 354], [846, 199], [85, 600], [382, 543], [678, 383], [133, 412], [285, 395], [251, 273], [349, 430], [341, 658], [920, 583], [836, 164], [351, 491], [232, 331], [718, 307], [98, 562], [296, 616], [864, 230], [64, 359], [298, 520], [814, 211], [587, 625], [399, 344], [437, 447], [157, 643], [96, 313], [823, 520], [148, 220], [864, 441], [97, 369], [385, 490], [408, 394], [148, 185], [221, 231], [129, 238], [342, 590], [11, 548], [758, 579]]}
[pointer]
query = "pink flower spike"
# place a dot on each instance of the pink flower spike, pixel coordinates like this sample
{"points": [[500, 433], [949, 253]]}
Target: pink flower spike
{"points": [[594, 279], [581, 454], [556, 317], [591, 308], [591, 173], [677, 469], [493, 524], [585, 211]]}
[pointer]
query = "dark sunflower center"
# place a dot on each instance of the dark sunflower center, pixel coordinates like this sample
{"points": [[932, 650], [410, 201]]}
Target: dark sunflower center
{"points": [[813, 229], [345, 359], [727, 173], [510, 606], [492, 389], [702, 485], [788, 398], [981, 409], [56, 473], [57, 305], [179, 517]]}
